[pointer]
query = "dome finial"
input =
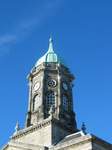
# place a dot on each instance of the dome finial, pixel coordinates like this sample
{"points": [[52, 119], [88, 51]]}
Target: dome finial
{"points": [[50, 49], [83, 128], [17, 128]]}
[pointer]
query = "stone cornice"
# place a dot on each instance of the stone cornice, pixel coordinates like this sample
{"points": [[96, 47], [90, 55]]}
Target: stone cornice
{"points": [[101, 142], [31, 129], [24, 146], [82, 140], [74, 141], [40, 125]]}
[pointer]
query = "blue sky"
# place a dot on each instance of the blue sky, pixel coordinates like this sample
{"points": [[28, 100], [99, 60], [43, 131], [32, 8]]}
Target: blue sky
{"points": [[82, 35]]}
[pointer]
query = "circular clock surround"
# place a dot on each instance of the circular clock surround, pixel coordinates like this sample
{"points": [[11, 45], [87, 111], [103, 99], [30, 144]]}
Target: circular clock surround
{"points": [[36, 86], [65, 86], [52, 83]]}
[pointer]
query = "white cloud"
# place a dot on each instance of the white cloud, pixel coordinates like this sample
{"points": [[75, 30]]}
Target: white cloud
{"points": [[24, 28], [5, 39]]}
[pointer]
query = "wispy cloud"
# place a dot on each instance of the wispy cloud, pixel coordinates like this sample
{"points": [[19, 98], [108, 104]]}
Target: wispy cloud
{"points": [[6, 39], [5, 42], [25, 28]]}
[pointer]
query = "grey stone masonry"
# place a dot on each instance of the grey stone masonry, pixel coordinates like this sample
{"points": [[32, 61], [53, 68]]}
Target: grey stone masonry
{"points": [[51, 121], [76, 141]]}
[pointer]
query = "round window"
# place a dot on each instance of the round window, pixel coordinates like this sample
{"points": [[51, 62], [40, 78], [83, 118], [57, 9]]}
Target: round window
{"points": [[52, 83]]}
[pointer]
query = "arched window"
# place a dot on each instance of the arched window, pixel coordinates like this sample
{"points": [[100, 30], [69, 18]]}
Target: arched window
{"points": [[50, 100], [65, 102], [36, 102]]}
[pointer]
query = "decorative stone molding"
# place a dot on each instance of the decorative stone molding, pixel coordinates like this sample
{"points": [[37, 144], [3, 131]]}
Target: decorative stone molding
{"points": [[31, 129], [20, 145]]}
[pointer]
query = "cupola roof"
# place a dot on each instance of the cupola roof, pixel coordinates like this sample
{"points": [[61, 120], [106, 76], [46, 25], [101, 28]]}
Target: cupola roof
{"points": [[50, 56]]}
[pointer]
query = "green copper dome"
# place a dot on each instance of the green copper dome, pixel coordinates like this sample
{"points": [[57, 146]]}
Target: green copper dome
{"points": [[50, 56]]}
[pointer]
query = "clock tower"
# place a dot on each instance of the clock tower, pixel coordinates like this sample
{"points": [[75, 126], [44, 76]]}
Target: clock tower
{"points": [[50, 121], [50, 92]]}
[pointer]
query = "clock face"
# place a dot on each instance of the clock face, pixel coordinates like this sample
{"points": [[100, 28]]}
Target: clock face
{"points": [[52, 83], [36, 86], [65, 86]]}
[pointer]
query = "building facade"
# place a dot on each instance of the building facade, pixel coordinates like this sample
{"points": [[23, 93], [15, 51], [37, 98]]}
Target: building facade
{"points": [[50, 121]]}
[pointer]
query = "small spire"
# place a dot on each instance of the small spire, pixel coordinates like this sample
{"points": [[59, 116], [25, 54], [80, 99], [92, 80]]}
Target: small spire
{"points": [[17, 128], [83, 128], [50, 49], [51, 111]]}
